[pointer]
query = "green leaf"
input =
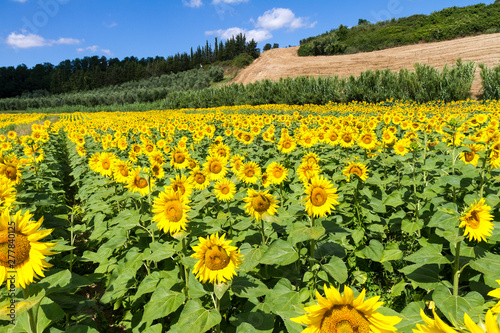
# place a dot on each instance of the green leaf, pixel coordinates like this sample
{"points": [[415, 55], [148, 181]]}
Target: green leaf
{"points": [[48, 313], [454, 307], [424, 276], [394, 199], [280, 253], [357, 235], [410, 317], [251, 256], [391, 252], [81, 329], [302, 232], [159, 251], [489, 265], [162, 303], [254, 321], [283, 297], [220, 289], [337, 269], [373, 251], [64, 281], [411, 226], [248, 286], [195, 318], [430, 254]]}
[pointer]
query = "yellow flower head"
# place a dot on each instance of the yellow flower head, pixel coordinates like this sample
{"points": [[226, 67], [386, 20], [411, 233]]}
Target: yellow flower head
{"points": [[199, 179], [249, 172], [224, 189], [170, 209], [344, 313], [29, 253], [260, 203], [321, 196], [477, 221], [490, 324], [217, 260], [357, 169], [436, 325], [215, 167], [276, 173]]}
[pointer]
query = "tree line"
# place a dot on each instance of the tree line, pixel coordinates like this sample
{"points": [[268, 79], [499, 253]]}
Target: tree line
{"points": [[96, 72]]}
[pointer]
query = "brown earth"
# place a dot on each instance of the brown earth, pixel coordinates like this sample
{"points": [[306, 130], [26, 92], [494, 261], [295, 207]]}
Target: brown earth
{"points": [[279, 63]]}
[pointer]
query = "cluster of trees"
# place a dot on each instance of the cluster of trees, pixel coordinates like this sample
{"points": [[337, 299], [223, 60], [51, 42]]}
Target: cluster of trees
{"points": [[449, 23], [144, 91], [490, 80], [97, 72]]}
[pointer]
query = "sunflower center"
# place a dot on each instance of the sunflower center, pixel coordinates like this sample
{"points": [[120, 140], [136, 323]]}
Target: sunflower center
{"points": [[473, 220], [249, 172], [277, 173], [14, 247], [124, 172], [137, 149], [469, 156], [318, 196], [215, 167], [367, 139], [179, 188], [173, 210], [141, 182], [199, 178], [105, 165], [344, 319], [347, 138], [287, 144], [356, 171], [216, 258], [11, 172], [260, 203], [224, 189], [179, 158]]}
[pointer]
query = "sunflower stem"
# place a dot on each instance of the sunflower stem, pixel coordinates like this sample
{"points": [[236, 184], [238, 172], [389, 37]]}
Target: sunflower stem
{"points": [[483, 173], [216, 301], [456, 269], [184, 269], [230, 221], [262, 232], [313, 241], [31, 316], [71, 242]]}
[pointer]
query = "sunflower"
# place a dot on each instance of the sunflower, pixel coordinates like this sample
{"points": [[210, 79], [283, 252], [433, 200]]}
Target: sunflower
{"points": [[260, 203], [217, 260], [368, 140], [199, 179], [9, 169], [469, 157], [286, 144], [104, 166], [491, 324], [179, 158], [215, 167], [29, 253], [170, 209], [236, 163], [347, 138], [276, 173], [344, 313], [477, 221], [310, 158], [249, 172], [7, 193], [495, 293], [224, 189], [321, 196], [357, 169], [401, 147], [138, 181], [308, 171], [121, 171], [181, 184], [436, 325]]}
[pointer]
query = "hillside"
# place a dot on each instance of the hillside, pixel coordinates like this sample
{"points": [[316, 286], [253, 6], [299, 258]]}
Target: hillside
{"points": [[280, 63]]}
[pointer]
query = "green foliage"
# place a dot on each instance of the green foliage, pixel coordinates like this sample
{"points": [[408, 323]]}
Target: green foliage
{"points": [[449, 23], [490, 80]]}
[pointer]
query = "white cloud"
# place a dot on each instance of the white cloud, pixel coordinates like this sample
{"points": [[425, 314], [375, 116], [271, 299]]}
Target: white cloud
{"points": [[216, 2], [26, 41], [95, 49], [22, 1], [110, 25], [278, 18], [192, 3], [256, 34]]}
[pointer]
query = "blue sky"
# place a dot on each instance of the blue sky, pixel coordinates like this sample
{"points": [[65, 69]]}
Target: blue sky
{"points": [[38, 31]]}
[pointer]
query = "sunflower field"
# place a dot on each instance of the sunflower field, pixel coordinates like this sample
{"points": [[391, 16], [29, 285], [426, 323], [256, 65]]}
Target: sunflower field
{"points": [[344, 217]]}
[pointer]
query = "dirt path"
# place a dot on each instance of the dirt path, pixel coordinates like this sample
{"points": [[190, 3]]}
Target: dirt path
{"points": [[285, 62]]}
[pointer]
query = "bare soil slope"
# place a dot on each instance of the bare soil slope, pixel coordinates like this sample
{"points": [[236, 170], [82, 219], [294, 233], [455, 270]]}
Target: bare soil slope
{"points": [[277, 63]]}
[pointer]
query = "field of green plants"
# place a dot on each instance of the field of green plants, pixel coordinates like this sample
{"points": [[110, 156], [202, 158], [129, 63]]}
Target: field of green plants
{"points": [[345, 217]]}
